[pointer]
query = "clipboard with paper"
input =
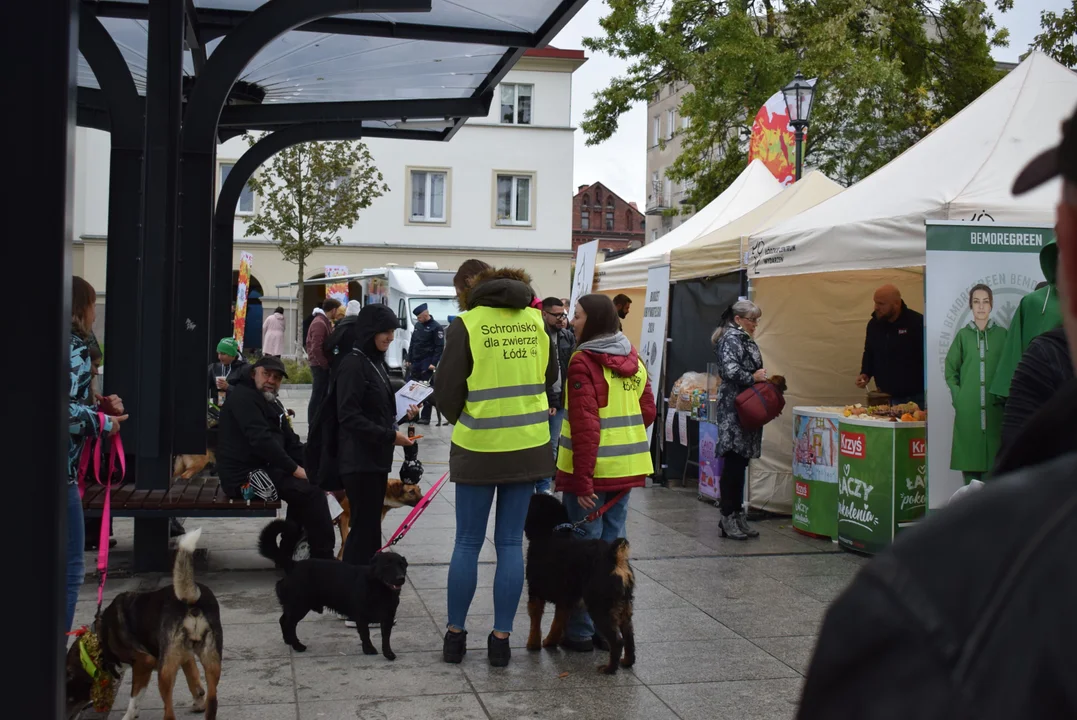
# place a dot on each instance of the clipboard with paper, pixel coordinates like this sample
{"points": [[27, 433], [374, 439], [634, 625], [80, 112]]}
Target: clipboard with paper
{"points": [[414, 392]]}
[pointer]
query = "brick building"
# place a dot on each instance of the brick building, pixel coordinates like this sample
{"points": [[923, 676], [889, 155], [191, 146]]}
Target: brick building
{"points": [[599, 214]]}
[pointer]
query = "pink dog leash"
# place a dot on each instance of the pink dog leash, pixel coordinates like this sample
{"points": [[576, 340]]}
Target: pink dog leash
{"points": [[115, 450], [416, 511]]}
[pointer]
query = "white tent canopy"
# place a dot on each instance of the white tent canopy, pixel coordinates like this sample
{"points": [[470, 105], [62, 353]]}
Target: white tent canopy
{"points": [[961, 171], [752, 187], [722, 250]]}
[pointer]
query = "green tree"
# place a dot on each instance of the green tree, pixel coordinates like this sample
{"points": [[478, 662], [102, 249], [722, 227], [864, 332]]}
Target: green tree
{"points": [[307, 194], [889, 72], [1058, 35]]}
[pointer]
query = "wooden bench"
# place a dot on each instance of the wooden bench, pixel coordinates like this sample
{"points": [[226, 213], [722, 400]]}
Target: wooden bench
{"points": [[197, 497]]}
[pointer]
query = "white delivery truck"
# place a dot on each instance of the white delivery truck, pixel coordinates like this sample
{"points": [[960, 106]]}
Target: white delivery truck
{"points": [[404, 289]]}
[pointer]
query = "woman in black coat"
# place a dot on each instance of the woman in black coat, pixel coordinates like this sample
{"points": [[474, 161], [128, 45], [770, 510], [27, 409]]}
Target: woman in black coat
{"points": [[366, 429]]}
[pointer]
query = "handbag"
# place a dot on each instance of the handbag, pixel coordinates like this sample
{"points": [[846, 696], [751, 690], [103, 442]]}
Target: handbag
{"points": [[759, 404]]}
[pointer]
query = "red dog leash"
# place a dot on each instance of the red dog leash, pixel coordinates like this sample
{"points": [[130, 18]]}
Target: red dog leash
{"points": [[602, 510], [416, 511], [92, 450]]}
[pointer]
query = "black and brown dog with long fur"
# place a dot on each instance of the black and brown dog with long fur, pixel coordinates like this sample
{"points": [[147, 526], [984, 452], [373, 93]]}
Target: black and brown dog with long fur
{"points": [[567, 570], [165, 630], [363, 593]]}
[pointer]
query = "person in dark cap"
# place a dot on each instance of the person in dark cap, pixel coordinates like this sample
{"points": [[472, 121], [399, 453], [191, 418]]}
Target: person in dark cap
{"points": [[974, 606], [366, 428], [259, 455], [427, 344]]}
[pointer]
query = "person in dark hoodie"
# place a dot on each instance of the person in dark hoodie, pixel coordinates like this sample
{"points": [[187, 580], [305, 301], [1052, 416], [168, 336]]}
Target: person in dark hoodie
{"points": [[258, 450], [493, 385], [970, 613], [606, 384], [366, 428]]}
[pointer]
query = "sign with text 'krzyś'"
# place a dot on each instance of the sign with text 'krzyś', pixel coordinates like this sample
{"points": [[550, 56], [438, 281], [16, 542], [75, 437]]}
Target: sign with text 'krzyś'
{"points": [[882, 481]]}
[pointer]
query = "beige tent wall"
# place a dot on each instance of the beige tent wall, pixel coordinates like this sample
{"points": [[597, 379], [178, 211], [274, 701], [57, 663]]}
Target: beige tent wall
{"points": [[633, 324], [812, 332]]}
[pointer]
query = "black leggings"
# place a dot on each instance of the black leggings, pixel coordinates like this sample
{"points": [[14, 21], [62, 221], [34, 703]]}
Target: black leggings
{"points": [[366, 496], [731, 484]]}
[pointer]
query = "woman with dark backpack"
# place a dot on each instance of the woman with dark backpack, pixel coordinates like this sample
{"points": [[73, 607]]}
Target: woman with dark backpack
{"points": [[740, 366]]}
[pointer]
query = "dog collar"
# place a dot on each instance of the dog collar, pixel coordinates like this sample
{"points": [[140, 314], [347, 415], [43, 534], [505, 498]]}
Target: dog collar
{"points": [[569, 526], [87, 662]]}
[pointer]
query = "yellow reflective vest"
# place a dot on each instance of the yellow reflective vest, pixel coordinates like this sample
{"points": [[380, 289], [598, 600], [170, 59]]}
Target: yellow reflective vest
{"points": [[623, 450], [506, 408]]}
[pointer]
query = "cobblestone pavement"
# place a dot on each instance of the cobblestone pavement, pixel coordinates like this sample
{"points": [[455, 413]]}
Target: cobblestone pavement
{"points": [[724, 629]]}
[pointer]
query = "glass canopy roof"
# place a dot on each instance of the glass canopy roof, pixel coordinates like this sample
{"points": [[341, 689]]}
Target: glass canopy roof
{"points": [[453, 52]]}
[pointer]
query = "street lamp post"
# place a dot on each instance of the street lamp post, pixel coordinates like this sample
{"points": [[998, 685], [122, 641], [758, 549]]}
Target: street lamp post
{"points": [[799, 95]]}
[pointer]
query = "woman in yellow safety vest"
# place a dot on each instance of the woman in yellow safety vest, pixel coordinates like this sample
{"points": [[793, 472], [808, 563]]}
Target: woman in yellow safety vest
{"points": [[603, 448], [493, 384]]}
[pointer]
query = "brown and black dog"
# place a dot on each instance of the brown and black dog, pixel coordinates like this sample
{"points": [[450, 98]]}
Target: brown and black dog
{"points": [[397, 494], [565, 569], [164, 630]]}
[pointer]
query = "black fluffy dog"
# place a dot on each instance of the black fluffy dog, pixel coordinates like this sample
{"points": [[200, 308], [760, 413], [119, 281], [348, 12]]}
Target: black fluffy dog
{"points": [[564, 569], [364, 593]]}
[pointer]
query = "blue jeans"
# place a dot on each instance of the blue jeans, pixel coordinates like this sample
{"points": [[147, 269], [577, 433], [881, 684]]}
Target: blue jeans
{"points": [[472, 512], [609, 527], [76, 546], [545, 484]]}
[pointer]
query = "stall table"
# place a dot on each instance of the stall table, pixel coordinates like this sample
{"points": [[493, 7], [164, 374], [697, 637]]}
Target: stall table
{"points": [[882, 480], [815, 470]]}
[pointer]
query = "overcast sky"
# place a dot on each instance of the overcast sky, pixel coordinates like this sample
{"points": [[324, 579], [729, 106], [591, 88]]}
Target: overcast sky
{"points": [[620, 162]]}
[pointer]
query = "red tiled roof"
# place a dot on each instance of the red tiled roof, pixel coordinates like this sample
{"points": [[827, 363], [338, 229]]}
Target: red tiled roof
{"points": [[551, 52]]}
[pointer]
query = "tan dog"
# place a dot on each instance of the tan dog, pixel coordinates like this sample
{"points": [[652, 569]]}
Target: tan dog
{"points": [[397, 494], [187, 466]]}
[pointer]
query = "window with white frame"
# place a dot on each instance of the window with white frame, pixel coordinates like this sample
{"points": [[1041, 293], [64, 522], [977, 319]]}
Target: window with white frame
{"points": [[656, 130], [654, 234], [670, 123], [686, 122], [245, 206], [516, 104], [428, 196], [514, 199]]}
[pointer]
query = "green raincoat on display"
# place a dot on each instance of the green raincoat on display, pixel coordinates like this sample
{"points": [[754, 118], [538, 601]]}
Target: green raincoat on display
{"points": [[1037, 313], [971, 365]]}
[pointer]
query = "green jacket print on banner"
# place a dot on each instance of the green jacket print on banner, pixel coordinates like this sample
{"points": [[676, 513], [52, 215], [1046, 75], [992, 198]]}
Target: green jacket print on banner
{"points": [[971, 365], [1037, 313]]}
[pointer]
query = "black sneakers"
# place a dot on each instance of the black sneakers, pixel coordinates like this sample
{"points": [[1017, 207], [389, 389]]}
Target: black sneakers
{"points": [[455, 647], [499, 651]]}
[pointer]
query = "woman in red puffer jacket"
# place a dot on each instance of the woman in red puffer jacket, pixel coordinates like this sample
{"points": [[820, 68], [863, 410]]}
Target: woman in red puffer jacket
{"points": [[603, 356]]}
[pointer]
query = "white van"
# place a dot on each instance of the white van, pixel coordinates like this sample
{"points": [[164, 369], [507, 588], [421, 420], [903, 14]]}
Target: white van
{"points": [[404, 289]]}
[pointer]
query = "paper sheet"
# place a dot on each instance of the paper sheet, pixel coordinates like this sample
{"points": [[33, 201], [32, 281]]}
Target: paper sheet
{"points": [[413, 393], [683, 417], [335, 510], [671, 417]]}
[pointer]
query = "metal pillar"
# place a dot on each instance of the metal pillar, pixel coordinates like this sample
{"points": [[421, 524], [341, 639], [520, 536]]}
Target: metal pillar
{"points": [[126, 125], [800, 149], [153, 459], [40, 62]]}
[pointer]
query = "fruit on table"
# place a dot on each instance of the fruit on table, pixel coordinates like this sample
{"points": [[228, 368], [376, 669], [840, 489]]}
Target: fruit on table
{"points": [[905, 412]]}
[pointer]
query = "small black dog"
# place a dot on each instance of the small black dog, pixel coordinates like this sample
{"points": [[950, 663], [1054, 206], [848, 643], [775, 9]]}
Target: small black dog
{"points": [[564, 569], [364, 593]]}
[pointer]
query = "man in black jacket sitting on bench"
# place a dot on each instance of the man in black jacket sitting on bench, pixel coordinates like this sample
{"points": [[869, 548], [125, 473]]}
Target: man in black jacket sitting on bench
{"points": [[259, 454]]}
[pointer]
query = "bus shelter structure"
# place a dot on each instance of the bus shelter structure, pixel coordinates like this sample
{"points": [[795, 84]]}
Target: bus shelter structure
{"points": [[169, 80]]}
